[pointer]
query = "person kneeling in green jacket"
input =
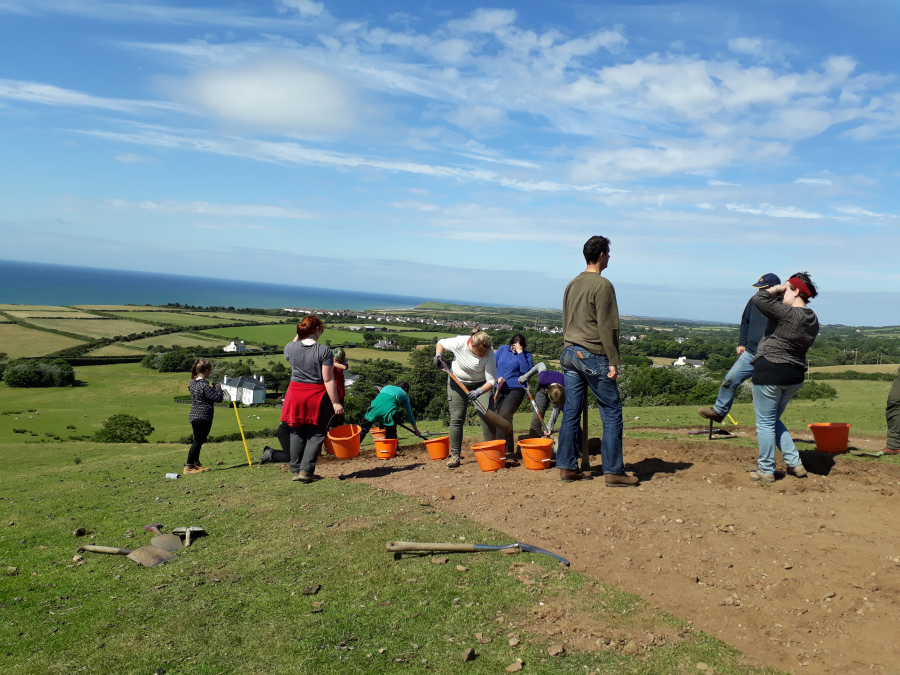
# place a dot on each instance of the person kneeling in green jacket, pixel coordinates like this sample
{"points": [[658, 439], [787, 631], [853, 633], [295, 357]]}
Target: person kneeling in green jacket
{"points": [[384, 408]]}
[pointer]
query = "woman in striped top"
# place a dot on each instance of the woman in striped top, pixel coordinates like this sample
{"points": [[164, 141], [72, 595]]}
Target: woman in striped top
{"points": [[779, 368], [203, 396]]}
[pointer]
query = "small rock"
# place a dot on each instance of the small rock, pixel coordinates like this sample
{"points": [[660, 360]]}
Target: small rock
{"points": [[78, 559], [220, 463], [12, 571], [80, 532], [510, 551], [11, 523], [514, 667], [702, 666], [513, 642], [631, 649], [729, 601], [556, 650], [462, 568], [160, 671], [829, 595], [468, 655], [440, 561], [788, 566], [312, 590], [447, 494]]}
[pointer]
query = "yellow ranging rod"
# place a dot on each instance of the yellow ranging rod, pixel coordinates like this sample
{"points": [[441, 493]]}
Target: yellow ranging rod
{"points": [[240, 426], [733, 421]]}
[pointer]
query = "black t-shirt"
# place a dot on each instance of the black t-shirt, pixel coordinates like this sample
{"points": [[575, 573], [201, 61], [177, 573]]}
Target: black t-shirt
{"points": [[781, 374]]}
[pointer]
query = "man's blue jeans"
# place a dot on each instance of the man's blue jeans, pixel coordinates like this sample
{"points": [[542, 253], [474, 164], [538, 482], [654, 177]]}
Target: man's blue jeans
{"points": [[740, 372], [589, 371], [769, 401]]}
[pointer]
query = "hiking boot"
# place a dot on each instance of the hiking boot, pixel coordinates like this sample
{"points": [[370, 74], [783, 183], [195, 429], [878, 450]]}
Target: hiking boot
{"points": [[190, 468], [711, 414], [891, 451], [266, 456], [571, 475], [200, 467], [762, 477], [797, 471], [620, 480], [453, 462], [303, 477]]}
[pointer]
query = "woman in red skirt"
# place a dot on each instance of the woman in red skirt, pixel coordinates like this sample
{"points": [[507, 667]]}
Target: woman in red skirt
{"points": [[311, 399]]}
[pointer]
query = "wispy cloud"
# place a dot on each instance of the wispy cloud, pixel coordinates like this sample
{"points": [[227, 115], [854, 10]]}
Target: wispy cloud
{"points": [[46, 94], [773, 211], [857, 211], [211, 209], [130, 158], [814, 181]]}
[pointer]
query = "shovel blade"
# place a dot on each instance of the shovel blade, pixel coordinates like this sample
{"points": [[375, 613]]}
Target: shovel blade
{"points": [[167, 542], [150, 556]]}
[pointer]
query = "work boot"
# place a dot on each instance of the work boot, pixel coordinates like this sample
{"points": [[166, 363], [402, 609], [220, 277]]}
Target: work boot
{"points": [[572, 475], [762, 477], [189, 468], [200, 467], [797, 471], [453, 462], [266, 456], [711, 414], [303, 477], [620, 480]]}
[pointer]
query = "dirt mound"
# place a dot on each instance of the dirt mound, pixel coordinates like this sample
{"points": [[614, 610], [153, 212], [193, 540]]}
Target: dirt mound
{"points": [[802, 574]]}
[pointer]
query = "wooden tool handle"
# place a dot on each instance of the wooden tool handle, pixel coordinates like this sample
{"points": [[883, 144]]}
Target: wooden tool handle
{"points": [[104, 549], [417, 546]]}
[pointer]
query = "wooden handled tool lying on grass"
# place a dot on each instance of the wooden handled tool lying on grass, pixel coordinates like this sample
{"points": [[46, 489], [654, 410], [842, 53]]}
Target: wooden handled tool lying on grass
{"points": [[399, 546], [490, 416], [148, 556]]}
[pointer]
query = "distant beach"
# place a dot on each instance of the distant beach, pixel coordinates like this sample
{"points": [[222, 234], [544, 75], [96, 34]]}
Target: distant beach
{"points": [[41, 284]]}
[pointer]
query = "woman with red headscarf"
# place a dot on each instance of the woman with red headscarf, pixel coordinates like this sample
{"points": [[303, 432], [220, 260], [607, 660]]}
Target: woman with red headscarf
{"points": [[779, 368], [312, 397]]}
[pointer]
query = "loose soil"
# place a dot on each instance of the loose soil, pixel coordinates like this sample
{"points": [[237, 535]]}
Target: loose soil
{"points": [[803, 574]]}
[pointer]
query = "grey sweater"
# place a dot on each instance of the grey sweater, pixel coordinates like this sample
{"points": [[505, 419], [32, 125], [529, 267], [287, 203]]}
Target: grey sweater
{"points": [[790, 333]]}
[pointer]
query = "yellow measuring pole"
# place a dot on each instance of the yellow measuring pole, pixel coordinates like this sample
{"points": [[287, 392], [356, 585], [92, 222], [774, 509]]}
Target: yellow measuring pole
{"points": [[733, 421], [240, 426]]}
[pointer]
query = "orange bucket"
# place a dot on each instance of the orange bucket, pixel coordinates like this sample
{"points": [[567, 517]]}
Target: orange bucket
{"points": [[832, 437], [536, 453], [385, 448], [491, 455], [345, 440], [377, 432], [438, 448]]}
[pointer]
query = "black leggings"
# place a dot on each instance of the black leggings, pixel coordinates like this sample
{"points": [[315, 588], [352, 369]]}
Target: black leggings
{"points": [[365, 425], [201, 433]]}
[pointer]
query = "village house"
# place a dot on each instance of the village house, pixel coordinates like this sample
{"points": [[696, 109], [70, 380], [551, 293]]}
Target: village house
{"points": [[235, 346], [245, 389]]}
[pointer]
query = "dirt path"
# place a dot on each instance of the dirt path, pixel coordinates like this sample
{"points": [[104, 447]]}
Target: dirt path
{"points": [[803, 574]]}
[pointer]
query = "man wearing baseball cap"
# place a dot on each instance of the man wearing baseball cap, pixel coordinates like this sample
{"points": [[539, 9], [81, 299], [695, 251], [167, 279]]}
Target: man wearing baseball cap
{"points": [[753, 326]]}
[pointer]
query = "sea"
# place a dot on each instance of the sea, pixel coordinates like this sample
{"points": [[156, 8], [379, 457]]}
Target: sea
{"points": [[28, 283]]}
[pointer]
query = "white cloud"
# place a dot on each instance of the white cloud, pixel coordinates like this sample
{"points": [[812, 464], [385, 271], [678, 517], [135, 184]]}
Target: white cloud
{"points": [[857, 211], [130, 158], [705, 206], [813, 181], [773, 211], [715, 183], [304, 7], [46, 94], [415, 206], [274, 95], [212, 209]]}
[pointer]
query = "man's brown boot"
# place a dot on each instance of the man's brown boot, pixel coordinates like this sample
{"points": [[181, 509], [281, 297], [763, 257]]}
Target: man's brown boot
{"points": [[623, 480], [571, 475], [710, 414]]}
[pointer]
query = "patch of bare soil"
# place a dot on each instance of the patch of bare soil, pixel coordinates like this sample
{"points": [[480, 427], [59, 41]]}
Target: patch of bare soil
{"points": [[803, 574]]}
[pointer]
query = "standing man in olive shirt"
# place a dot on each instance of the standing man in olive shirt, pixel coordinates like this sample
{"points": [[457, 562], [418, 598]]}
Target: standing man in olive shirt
{"points": [[590, 360]]}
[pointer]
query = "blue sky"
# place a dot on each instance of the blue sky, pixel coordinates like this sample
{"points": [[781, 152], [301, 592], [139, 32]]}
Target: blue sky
{"points": [[462, 150]]}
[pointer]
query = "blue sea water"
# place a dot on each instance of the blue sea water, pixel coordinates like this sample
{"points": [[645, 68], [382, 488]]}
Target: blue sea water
{"points": [[41, 284]]}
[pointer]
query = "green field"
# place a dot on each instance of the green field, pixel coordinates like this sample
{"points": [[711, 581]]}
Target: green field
{"points": [[116, 308], [94, 328], [65, 312], [18, 341], [279, 334], [111, 389], [179, 339], [8, 307], [118, 349], [172, 318]]}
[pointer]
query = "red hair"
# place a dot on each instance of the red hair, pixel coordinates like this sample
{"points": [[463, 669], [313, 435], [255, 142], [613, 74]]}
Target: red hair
{"points": [[309, 326]]}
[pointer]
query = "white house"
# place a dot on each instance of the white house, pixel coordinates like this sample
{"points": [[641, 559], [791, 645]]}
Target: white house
{"points": [[235, 347], [684, 361], [247, 390]]}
